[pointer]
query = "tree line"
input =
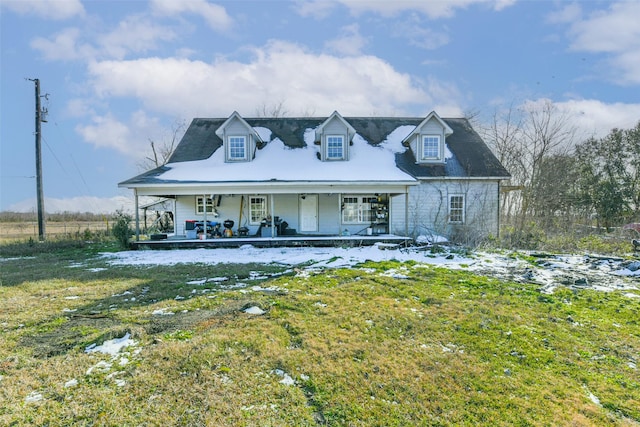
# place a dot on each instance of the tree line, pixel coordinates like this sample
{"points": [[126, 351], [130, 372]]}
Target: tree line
{"points": [[560, 181]]}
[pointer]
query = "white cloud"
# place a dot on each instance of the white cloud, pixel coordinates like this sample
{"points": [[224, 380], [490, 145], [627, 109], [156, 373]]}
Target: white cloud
{"points": [[79, 107], [134, 34], [350, 42], [107, 131], [47, 9], [130, 137], [597, 118], [614, 32], [569, 13], [420, 33], [432, 9], [319, 8], [63, 46], [279, 71], [215, 15]]}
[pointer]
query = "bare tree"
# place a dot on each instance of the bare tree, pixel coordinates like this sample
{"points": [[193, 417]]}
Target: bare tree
{"points": [[523, 139], [546, 132], [274, 110], [161, 152]]}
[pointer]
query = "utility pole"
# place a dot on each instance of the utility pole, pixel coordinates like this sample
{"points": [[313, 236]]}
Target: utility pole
{"points": [[40, 196]]}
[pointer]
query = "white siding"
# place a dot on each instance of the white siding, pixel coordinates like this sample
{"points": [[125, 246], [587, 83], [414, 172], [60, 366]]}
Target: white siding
{"points": [[428, 210], [329, 213]]}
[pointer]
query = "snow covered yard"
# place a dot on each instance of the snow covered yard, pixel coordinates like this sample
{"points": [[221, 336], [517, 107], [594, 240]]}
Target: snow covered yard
{"points": [[548, 270]]}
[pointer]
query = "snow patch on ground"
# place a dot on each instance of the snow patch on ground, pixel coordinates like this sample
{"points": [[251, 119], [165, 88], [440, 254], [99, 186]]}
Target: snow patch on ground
{"points": [[549, 271], [255, 310], [113, 346]]}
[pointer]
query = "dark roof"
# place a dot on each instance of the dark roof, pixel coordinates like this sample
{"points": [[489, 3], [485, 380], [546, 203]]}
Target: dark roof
{"points": [[471, 158]]}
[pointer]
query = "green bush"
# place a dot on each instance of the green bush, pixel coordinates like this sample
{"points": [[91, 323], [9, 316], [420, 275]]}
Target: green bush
{"points": [[122, 228]]}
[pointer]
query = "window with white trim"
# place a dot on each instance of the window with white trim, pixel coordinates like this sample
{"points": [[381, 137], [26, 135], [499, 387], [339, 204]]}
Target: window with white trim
{"points": [[335, 147], [356, 209], [237, 147], [257, 209], [456, 209], [430, 147], [200, 205]]}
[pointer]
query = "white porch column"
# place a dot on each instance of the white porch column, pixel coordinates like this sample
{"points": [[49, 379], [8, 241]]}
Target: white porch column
{"points": [[137, 214], [273, 216], [339, 214], [406, 211], [204, 205], [175, 216]]}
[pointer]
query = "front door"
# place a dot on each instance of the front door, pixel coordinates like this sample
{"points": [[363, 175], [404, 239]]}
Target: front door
{"points": [[308, 212]]}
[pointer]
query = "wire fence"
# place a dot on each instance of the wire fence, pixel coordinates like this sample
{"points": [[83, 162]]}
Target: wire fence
{"points": [[25, 230]]}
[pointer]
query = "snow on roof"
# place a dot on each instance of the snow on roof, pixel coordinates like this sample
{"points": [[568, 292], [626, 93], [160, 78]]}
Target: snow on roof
{"points": [[276, 161]]}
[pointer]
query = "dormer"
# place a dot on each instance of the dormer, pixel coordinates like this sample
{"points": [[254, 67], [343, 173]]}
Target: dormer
{"points": [[239, 139], [334, 136], [427, 140]]}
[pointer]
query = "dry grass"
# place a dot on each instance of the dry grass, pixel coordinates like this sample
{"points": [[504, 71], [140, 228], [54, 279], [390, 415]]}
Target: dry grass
{"points": [[364, 348], [25, 230]]}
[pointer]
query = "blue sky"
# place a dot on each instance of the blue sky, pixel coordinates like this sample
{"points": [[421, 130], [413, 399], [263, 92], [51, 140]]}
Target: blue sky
{"points": [[122, 73]]}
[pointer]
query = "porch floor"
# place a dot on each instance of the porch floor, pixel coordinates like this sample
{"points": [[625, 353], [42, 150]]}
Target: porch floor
{"points": [[176, 242]]}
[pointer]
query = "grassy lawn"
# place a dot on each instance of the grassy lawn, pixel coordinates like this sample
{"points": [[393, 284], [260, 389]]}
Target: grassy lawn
{"points": [[382, 344]]}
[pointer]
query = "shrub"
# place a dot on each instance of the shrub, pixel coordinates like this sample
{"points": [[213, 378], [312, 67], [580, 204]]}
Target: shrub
{"points": [[122, 228]]}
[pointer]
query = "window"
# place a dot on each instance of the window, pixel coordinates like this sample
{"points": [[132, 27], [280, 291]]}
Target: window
{"points": [[456, 209], [430, 146], [237, 147], [257, 209], [200, 205], [335, 147], [356, 209]]}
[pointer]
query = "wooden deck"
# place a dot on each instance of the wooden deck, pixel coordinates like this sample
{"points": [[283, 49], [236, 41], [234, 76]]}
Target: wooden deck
{"points": [[179, 242]]}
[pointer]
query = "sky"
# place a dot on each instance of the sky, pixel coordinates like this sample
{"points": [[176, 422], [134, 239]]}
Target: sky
{"points": [[116, 75]]}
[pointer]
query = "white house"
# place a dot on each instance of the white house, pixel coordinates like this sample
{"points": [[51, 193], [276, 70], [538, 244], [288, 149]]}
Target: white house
{"points": [[330, 176]]}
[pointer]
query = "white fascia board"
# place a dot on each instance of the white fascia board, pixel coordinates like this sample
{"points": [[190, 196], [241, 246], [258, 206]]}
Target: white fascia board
{"points": [[273, 187], [461, 178]]}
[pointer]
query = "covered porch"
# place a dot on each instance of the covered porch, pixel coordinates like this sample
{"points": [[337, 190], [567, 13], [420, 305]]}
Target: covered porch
{"points": [[282, 214]]}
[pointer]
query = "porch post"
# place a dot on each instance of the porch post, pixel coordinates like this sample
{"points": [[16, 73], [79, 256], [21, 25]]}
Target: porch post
{"points": [[175, 216], [273, 216], [339, 214], [137, 214], [406, 211], [204, 205]]}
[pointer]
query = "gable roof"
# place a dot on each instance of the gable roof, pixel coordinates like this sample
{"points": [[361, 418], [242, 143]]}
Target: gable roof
{"points": [[335, 115], [432, 115], [236, 116], [292, 140]]}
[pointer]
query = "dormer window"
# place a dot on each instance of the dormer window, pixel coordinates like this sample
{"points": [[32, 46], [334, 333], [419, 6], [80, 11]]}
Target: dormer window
{"points": [[240, 140], [334, 136], [428, 138], [430, 147], [335, 147], [237, 146]]}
